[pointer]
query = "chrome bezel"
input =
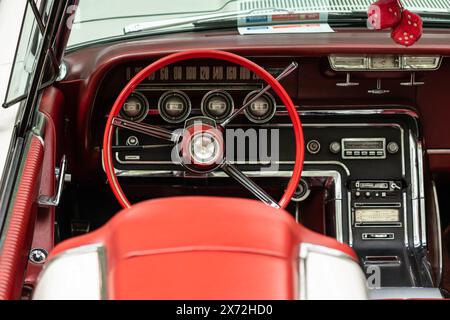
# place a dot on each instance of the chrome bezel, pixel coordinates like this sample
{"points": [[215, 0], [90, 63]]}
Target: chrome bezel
{"points": [[436, 65], [311, 151], [184, 96], [144, 113], [367, 65], [219, 92], [269, 116]]}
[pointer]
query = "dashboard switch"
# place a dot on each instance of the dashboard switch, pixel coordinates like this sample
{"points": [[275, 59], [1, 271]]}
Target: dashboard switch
{"points": [[132, 141], [335, 147], [313, 147], [393, 147]]}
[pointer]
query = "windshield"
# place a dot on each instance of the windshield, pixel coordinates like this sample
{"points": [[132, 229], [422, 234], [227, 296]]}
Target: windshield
{"points": [[102, 20]]}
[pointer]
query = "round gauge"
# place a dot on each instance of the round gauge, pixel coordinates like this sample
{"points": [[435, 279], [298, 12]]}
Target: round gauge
{"points": [[135, 107], [174, 106], [262, 109], [217, 104]]}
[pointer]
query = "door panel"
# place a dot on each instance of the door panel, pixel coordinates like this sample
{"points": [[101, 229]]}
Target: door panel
{"points": [[51, 107]]}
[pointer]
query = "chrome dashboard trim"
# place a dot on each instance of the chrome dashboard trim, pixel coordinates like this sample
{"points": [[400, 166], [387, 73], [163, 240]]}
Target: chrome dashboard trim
{"points": [[417, 191], [254, 174], [405, 221], [439, 235], [335, 175], [438, 151], [361, 112], [318, 125], [368, 65], [422, 207]]}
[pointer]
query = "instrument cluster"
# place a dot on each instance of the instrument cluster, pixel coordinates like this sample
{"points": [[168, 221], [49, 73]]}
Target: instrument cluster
{"points": [[175, 106]]}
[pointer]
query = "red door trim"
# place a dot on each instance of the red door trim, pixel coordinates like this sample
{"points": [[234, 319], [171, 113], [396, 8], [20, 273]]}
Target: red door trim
{"points": [[15, 246]]}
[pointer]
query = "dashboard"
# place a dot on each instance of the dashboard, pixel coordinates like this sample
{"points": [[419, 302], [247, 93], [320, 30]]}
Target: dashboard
{"points": [[363, 166], [369, 114]]}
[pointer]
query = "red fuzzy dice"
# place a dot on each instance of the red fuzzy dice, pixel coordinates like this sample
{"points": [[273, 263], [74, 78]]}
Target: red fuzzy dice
{"points": [[384, 14], [409, 30]]}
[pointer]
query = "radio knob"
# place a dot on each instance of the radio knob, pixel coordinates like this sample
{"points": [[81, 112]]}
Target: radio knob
{"points": [[313, 147], [335, 147], [393, 147]]}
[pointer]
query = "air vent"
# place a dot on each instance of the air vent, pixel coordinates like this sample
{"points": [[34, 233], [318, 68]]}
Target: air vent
{"points": [[336, 6]]}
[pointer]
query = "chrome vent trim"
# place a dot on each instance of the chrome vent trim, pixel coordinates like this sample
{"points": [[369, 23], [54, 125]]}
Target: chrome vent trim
{"points": [[339, 6]]}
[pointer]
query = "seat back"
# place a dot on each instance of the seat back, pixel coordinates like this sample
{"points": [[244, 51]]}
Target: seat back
{"points": [[196, 248]]}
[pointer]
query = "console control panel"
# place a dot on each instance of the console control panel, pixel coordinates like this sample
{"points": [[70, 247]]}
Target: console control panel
{"points": [[376, 203]]}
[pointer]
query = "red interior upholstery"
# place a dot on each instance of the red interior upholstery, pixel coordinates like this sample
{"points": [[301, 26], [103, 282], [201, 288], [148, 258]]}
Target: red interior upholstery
{"points": [[52, 106], [202, 248], [19, 224]]}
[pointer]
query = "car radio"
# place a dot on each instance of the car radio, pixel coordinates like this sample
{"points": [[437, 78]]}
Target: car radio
{"points": [[363, 148], [376, 203]]}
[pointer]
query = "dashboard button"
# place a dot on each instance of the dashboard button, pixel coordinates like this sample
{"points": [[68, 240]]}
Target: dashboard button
{"points": [[313, 147], [335, 147], [393, 147], [132, 141]]}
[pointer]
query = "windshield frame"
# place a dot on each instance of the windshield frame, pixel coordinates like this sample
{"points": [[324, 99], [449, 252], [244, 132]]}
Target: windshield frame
{"points": [[432, 18]]}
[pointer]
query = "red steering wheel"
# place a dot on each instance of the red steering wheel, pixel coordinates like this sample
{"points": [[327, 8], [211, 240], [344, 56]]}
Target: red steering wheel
{"points": [[206, 128]]}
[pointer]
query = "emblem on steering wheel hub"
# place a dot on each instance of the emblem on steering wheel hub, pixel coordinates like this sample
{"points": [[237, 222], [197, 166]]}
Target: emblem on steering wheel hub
{"points": [[202, 147]]}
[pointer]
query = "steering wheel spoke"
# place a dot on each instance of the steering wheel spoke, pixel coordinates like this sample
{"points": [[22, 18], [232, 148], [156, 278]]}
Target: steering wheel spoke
{"points": [[233, 172], [148, 129], [289, 69]]}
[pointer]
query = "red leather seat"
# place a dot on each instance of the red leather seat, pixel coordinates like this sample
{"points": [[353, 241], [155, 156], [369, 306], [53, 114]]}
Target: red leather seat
{"points": [[202, 248]]}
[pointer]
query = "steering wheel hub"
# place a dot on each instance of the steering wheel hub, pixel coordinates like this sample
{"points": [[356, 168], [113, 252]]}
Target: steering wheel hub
{"points": [[202, 147]]}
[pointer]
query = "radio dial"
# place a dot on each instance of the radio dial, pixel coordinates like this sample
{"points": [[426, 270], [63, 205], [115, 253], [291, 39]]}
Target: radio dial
{"points": [[335, 147], [393, 147], [313, 147]]}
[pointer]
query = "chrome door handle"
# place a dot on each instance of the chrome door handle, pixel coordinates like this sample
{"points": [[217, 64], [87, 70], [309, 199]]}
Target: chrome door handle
{"points": [[53, 201]]}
